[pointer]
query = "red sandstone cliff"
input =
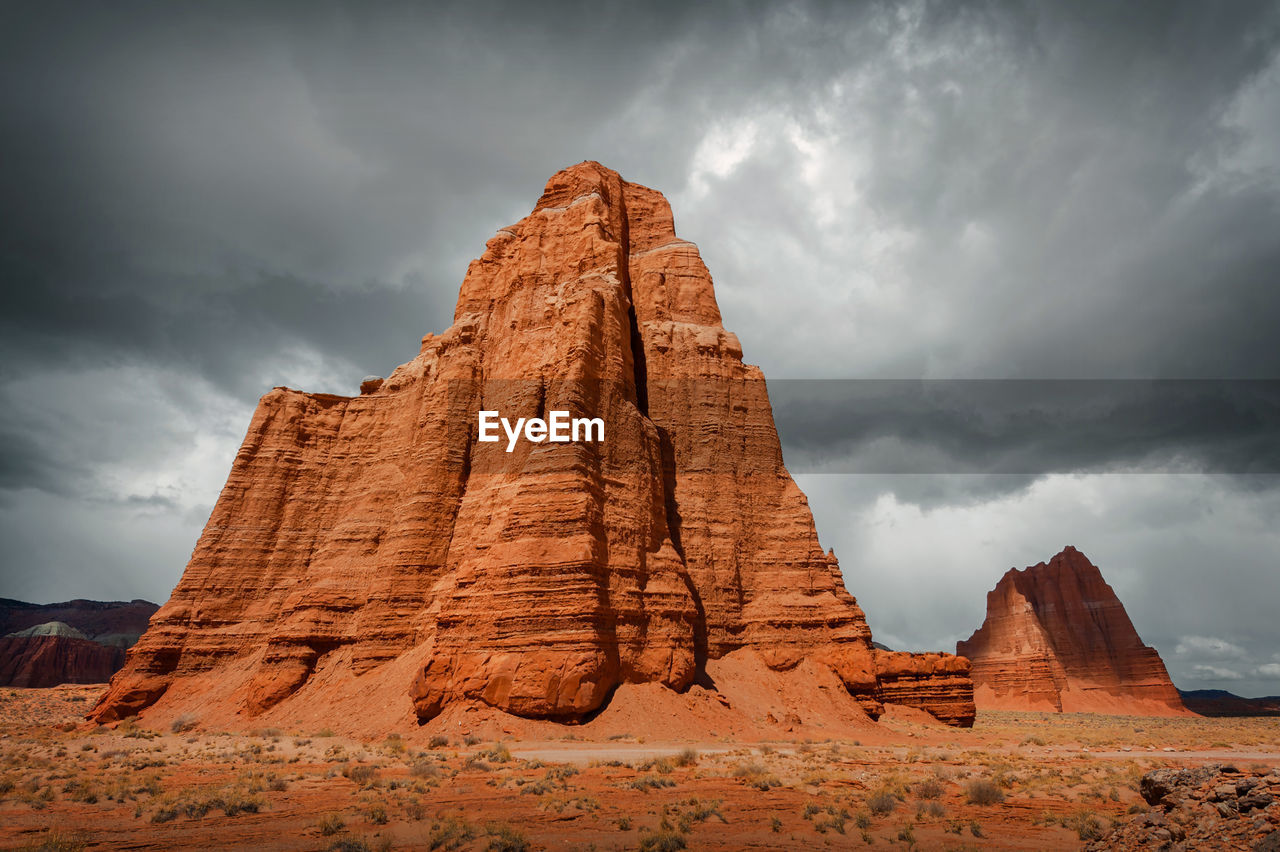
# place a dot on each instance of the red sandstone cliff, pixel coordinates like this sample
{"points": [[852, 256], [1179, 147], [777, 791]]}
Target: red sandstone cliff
{"points": [[51, 659], [75, 641], [369, 551], [1056, 638], [115, 623]]}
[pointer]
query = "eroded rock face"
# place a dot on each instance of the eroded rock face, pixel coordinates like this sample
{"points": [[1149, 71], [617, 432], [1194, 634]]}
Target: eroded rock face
{"points": [[373, 544], [115, 623], [48, 659], [1056, 638]]}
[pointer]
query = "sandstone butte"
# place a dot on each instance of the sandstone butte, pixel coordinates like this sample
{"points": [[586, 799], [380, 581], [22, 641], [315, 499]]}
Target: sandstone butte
{"points": [[71, 642], [1056, 638], [371, 564], [49, 659]]}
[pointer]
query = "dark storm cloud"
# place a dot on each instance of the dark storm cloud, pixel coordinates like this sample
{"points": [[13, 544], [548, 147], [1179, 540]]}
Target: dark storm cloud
{"points": [[1012, 427], [203, 201]]}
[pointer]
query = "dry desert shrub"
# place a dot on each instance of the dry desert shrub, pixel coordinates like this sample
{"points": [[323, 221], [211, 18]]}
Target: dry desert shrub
{"points": [[1086, 825], [928, 789], [504, 838], [423, 768], [664, 839], [983, 791], [646, 783], [360, 774], [882, 802], [183, 723], [232, 801], [930, 808], [56, 841], [661, 765], [450, 833], [695, 810], [756, 775], [330, 824]]}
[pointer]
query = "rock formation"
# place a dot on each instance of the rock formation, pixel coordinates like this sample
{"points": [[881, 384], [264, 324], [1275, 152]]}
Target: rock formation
{"points": [[115, 623], [73, 642], [370, 549], [1056, 638], [51, 658], [1217, 806]]}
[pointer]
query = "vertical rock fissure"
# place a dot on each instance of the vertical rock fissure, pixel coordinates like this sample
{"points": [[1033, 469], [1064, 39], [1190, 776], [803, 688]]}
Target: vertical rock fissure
{"points": [[639, 368]]}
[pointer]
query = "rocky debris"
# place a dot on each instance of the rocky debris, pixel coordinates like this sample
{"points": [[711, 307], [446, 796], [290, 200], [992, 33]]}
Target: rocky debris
{"points": [[1205, 807], [370, 558], [1056, 638], [369, 384]]}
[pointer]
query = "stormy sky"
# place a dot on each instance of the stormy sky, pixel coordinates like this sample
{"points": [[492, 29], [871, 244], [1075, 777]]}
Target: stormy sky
{"points": [[1071, 209]]}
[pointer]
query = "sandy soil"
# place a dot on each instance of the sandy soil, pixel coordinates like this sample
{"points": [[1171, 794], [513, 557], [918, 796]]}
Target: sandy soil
{"points": [[1015, 781]]}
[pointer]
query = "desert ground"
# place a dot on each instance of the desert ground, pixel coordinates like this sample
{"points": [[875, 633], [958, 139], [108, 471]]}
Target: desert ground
{"points": [[1014, 781]]}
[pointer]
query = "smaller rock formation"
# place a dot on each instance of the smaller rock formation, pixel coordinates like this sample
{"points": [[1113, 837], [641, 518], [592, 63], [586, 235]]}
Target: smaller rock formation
{"points": [[76, 641], [116, 623], [937, 683], [1056, 638], [48, 659], [1206, 807]]}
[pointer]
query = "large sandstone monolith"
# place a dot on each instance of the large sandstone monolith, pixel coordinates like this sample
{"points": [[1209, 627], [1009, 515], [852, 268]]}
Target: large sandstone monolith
{"points": [[370, 549], [1056, 638]]}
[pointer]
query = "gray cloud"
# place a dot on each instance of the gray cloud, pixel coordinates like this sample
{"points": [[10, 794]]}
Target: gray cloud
{"points": [[202, 202]]}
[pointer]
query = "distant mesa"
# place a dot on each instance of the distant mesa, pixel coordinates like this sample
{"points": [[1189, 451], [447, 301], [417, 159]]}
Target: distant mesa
{"points": [[76, 641], [1056, 638], [371, 564], [1220, 702]]}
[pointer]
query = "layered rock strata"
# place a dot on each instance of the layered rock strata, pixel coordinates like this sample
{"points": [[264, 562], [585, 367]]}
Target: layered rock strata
{"points": [[48, 659], [77, 641], [115, 623], [1056, 638], [372, 544]]}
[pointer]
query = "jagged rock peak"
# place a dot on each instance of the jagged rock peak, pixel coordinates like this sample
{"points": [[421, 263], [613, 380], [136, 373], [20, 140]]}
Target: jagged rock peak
{"points": [[1057, 638]]}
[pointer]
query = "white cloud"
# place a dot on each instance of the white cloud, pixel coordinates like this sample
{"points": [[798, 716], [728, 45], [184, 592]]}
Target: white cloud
{"points": [[1216, 673], [1209, 646], [724, 147]]}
